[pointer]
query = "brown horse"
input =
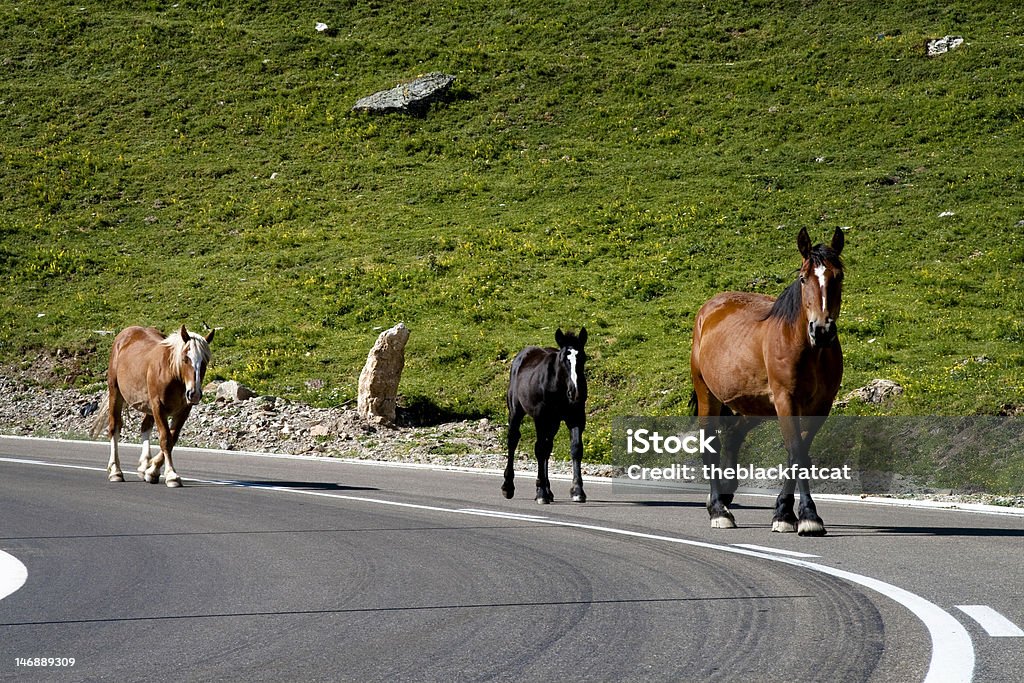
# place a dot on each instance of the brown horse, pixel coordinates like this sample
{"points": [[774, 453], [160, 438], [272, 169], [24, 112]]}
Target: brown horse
{"points": [[162, 377], [757, 356]]}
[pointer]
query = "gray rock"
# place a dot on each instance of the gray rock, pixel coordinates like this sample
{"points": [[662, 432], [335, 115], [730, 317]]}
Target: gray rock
{"points": [[408, 98], [940, 46], [876, 391], [233, 391], [378, 382]]}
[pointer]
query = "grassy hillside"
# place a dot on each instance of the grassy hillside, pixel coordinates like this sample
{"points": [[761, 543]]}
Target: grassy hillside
{"points": [[601, 164]]}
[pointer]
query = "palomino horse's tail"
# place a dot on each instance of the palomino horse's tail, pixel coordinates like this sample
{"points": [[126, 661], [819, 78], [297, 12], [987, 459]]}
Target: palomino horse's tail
{"points": [[102, 421]]}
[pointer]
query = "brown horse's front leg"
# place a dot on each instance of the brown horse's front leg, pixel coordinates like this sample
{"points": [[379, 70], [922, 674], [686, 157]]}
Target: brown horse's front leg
{"points": [[115, 404], [807, 523]]}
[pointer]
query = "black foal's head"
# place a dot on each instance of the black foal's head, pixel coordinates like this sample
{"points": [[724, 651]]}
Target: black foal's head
{"points": [[572, 363]]}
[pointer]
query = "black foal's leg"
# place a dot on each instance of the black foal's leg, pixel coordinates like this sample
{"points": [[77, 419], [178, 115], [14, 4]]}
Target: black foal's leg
{"points": [[542, 449], [515, 419], [576, 452]]}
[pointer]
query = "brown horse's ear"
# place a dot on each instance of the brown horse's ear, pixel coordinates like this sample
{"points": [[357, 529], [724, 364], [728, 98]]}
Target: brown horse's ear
{"points": [[209, 337], [803, 243], [838, 239], [183, 333], [583, 336]]}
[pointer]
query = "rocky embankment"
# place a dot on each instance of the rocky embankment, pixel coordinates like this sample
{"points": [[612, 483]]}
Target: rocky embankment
{"points": [[31, 404]]}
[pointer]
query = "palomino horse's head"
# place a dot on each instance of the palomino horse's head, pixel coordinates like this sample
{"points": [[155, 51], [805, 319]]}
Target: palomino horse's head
{"points": [[821, 286], [571, 360], [190, 354]]}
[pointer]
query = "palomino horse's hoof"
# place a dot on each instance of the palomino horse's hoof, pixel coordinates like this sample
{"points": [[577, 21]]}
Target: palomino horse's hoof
{"points": [[173, 483], [151, 478], [723, 522], [811, 527], [116, 477], [783, 527]]}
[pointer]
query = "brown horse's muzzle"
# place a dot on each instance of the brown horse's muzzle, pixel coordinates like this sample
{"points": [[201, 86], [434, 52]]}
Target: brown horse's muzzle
{"points": [[824, 334]]}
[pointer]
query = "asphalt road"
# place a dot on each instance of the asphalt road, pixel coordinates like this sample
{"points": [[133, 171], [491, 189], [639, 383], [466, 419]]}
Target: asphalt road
{"points": [[314, 570]]}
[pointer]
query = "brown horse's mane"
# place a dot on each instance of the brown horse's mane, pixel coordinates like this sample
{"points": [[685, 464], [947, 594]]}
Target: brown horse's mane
{"points": [[787, 306]]}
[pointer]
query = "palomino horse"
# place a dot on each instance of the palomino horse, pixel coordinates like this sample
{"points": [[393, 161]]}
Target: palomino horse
{"points": [[757, 356], [550, 386], [160, 377]]}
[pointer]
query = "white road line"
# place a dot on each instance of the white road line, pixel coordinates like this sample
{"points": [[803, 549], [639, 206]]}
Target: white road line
{"points": [[994, 623], [780, 551], [952, 659], [13, 574], [506, 515]]}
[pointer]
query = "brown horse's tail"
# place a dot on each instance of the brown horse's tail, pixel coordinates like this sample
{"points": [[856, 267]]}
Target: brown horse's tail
{"points": [[693, 403], [101, 424]]}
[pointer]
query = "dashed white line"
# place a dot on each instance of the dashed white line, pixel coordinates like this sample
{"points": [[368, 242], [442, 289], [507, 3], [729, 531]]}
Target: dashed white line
{"points": [[994, 623], [13, 574]]}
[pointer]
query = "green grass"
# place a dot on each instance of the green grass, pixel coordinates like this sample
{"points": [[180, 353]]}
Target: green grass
{"points": [[600, 164]]}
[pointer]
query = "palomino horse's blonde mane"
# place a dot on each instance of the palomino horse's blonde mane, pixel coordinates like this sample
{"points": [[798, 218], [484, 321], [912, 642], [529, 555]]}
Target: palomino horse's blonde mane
{"points": [[179, 348]]}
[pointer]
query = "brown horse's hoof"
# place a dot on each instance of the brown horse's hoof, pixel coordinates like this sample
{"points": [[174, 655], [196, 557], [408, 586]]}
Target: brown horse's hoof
{"points": [[116, 477], [811, 527], [173, 483], [723, 522]]}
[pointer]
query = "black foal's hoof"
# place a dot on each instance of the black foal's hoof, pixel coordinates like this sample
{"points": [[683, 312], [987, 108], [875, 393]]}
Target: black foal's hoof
{"points": [[579, 497], [508, 491]]}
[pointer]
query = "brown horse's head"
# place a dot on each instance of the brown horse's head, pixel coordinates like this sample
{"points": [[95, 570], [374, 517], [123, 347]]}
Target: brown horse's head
{"points": [[190, 354], [821, 286]]}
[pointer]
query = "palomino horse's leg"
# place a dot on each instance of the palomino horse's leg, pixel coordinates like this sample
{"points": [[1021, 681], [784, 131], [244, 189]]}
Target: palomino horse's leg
{"points": [[797, 445], [146, 432], [115, 422], [152, 473], [576, 452], [542, 449], [515, 419], [171, 477]]}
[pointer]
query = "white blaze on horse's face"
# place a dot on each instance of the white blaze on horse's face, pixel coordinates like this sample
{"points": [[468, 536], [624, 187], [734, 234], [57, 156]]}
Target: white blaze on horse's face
{"points": [[573, 379], [194, 389], [820, 272]]}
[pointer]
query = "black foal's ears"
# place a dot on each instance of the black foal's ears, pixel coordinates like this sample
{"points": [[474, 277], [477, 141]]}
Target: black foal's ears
{"points": [[838, 240], [559, 338], [583, 337], [209, 337], [803, 243]]}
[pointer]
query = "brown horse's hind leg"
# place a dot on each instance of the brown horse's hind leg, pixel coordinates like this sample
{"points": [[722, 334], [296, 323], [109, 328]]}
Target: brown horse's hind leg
{"points": [[115, 421], [709, 410]]}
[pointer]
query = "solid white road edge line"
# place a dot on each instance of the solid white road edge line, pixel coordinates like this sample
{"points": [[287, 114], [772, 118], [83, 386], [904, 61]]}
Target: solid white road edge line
{"points": [[952, 659], [780, 551], [590, 479], [994, 623]]}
